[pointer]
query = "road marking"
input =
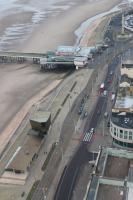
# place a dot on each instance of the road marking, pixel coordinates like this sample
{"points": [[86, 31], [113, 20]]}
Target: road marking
{"points": [[87, 137]]}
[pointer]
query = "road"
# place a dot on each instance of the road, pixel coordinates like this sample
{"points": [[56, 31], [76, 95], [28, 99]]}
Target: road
{"points": [[67, 183], [71, 172]]}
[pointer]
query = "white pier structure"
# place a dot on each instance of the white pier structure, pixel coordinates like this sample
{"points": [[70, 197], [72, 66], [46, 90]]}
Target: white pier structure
{"points": [[63, 56], [14, 57]]}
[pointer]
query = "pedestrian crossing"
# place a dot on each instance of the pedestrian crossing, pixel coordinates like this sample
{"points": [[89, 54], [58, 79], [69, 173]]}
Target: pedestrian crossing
{"points": [[87, 137]]}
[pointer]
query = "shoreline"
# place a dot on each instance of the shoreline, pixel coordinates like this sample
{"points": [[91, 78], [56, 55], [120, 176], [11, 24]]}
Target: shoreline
{"points": [[9, 130], [50, 34], [4, 130]]}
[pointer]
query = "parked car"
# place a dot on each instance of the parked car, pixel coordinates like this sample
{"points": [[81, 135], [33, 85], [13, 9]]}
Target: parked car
{"points": [[85, 114], [23, 194], [105, 114], [80, 110], [108, 124]]}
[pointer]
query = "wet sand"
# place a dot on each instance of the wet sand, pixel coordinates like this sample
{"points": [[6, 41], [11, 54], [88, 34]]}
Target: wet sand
{"points": [[60, 29], [19, 84]]}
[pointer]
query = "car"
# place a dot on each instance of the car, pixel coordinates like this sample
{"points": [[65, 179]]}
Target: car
{"points": [[80, 110], [105, 92], [109, 80], [105, 114], [23, 194], [85, 114], [108, 124], [111, 73], [92, 130], [98, 112]]}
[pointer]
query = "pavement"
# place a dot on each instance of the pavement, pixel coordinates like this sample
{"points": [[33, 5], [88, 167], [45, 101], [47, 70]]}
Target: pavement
{"points": [[58, 97], [67, 183], [55, 100], [81, 77], [66, 130]]}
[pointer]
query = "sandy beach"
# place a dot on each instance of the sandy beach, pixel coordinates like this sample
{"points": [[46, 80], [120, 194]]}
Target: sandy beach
{"points": [[24, 85], [37, 26], [60, 29], [20, 83]]}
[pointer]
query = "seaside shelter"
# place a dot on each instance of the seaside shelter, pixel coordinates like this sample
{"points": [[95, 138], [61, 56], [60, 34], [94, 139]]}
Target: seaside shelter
{"points": [[40, 121]]}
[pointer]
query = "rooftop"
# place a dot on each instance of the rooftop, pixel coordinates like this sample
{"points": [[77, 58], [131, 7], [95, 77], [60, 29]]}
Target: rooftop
{"points": [[116, 167], [123, 119], [41, 116], [127, 70], [78, 51], [109, 191], [23, 155], [112, 176], [65, 50], [124, 102]]}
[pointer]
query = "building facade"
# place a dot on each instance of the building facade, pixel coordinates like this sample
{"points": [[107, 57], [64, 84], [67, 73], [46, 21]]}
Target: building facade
{"points": [[121, 122], [121, 130]]}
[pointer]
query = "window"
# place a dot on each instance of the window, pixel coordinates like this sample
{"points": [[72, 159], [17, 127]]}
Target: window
{"points": [[125, 132], [121, 131], [130, 135], [125, 136], [121, 135]]}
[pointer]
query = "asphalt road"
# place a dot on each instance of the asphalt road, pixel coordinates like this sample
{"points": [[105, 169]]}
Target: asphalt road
{"points": [[67, 182], [68, 179]]}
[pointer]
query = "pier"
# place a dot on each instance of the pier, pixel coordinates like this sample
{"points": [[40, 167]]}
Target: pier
{"points": [[64, 56], [15, 57]]}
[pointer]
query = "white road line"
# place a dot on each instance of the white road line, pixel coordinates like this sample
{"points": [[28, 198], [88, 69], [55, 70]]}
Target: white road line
{"points": [[90, 137], [87, 137]]}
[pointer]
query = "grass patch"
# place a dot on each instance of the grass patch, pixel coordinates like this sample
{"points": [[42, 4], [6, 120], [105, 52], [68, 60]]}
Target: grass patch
{"points": [[49, 156], [30, 195]]}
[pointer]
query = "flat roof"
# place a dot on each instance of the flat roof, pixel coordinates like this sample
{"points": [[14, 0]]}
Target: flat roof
{"points": [[124, 102], [109, 192], [78, 51], [127, 71], [85, 51], [23, 155], [113, 167], [66, 49], [116, 167], [123, 119], [40, 116], [130, 194]]}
